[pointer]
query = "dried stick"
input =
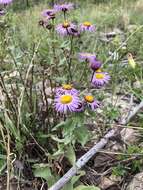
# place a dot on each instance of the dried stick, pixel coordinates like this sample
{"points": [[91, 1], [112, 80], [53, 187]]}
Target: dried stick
{"points": [[132, 114], [87, 156]]}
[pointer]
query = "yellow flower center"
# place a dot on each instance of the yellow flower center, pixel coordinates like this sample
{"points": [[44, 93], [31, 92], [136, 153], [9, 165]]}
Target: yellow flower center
{"points": [[67, 86], [66, 99], [98, 71], [87, 23], [89, 98], [66, 24], [99, 75]]}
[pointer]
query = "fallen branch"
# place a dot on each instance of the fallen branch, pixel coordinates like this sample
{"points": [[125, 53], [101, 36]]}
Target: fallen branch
{"points": [[132, 114], [87, 156]]}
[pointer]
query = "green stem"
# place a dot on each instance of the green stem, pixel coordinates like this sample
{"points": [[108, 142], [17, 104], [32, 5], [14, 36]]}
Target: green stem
{"points": [[70, 60]]}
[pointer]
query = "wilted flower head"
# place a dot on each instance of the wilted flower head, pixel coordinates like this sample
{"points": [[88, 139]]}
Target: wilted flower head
{"points": [[66, 28], [66, 89], [45, 24], [80, 107], [66, 103], [91, 102], [131, 60], [75, 32], [5, 2], [87, 26], [91, 58], [49, 13], [64, 7], [95, 64], [86, 56], [100, 78], [2, 12]]}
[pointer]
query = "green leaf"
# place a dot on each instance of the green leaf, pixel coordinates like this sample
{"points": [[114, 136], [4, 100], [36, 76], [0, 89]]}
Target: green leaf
{"points": [[2, 165], [43, 171], [83, 187], [10, 126], [68, 186], [76, 178], [81, 134], [61, 124], [60, 150], [70, 154], [60, 79], [68, 128], [65, 44], [57, 139]]}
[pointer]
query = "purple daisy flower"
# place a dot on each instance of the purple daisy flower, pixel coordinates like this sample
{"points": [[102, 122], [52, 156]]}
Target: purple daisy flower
{"points": [[87, 26], [49, 13], [64, 7], [66, 89], [86, 56], [100, 78], [91, 102], [4, 2], [95, 64], [66, 103], [66, 28]]}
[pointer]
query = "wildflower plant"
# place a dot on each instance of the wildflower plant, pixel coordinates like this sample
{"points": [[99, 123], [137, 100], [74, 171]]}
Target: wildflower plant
{"points": [[71, 102], [55, 90], [58, 89]]}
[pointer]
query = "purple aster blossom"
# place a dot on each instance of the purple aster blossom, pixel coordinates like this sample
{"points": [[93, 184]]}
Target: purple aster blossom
{"points": [[91, 102], [49, 13], [2, 12], [66, 28], [66, 89], [100, 78], [95, 64], [5, 2], [86, 56], [87, 26], [66, 103], [64, 7]]}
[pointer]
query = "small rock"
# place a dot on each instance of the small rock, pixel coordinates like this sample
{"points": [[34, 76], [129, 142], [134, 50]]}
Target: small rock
{"points": [[137, 84], [115, 179], [136, 183], [117, 147], [105, 183], [18, 164], [132, 27], [129, 135]]}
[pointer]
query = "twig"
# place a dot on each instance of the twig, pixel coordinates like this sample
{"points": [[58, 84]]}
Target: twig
{"points": [[96, 148], [132, 114], [121, 153], [8, 161]]}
